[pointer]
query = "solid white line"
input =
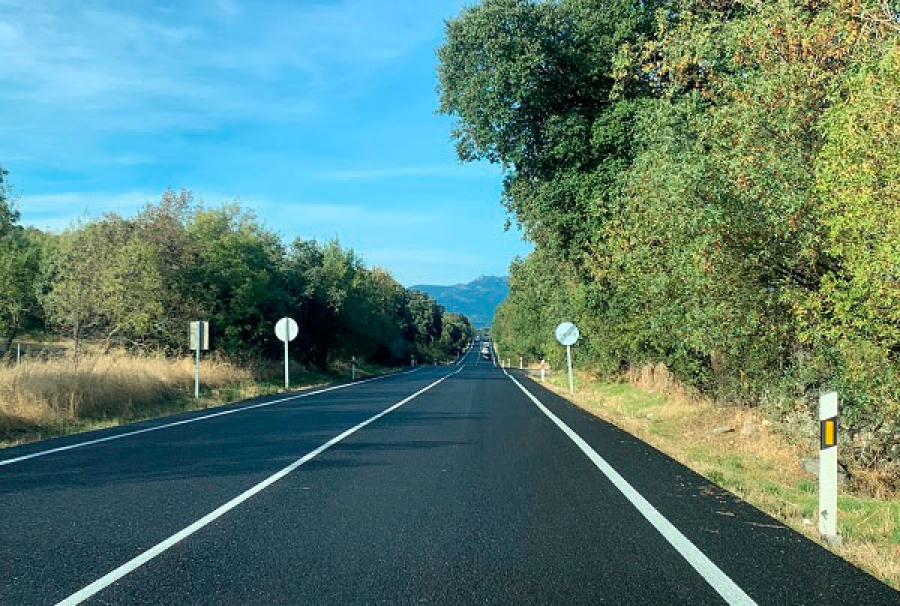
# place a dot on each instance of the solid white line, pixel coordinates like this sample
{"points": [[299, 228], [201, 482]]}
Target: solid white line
{"points": [[711, 573], [111, 577], [466, 355], [127, 434]]}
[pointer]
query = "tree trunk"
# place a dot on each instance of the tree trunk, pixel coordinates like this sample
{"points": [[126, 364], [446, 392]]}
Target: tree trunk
{"points": [[11, 332]]}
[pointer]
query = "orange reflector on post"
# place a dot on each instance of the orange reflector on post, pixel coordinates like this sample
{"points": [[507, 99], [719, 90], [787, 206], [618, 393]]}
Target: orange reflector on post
{"points": [[828, 433]]}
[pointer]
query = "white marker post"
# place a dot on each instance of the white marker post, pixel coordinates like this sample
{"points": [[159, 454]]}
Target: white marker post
{"points": [[18, 353], [567, 334], [828, 467], [286, 331], [199, 340], [542, 370], [521, 363], [352, 368]]}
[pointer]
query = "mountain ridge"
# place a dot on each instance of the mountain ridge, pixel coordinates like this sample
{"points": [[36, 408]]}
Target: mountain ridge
{"points": [[477, 299]]}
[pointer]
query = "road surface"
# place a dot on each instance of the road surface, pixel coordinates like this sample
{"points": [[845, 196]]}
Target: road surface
{"points": [[442, 485]]}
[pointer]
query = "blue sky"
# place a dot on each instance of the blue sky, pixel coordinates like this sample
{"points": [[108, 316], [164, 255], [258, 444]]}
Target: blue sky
{"points": [[319, 116]]}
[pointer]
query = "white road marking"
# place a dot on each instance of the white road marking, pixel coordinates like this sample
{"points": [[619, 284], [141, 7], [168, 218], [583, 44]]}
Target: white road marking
{"points": [[135, 563], [711, 573], [222, 413]]}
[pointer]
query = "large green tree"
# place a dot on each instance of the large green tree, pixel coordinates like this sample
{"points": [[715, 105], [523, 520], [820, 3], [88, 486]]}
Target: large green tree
{"points": [[710, 184], [20, 255]]}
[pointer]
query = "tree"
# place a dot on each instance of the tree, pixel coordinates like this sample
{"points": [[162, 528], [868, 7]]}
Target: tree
{"points": [[20, 255], [234, 277], [106, 283], [710, 184]]}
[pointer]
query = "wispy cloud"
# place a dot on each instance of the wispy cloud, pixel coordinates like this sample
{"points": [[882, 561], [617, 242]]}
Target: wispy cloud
{"points": [[334, 218], [61, 210], [404, 172], [124, 65], [64, 208]]}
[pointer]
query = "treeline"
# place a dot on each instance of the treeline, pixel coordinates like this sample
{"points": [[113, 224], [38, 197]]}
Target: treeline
{"points": [[136, 282], [710, 184]]}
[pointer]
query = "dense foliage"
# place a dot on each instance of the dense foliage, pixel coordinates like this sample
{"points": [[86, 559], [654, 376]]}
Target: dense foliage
{"points": [[137, 282], [709, 184]]}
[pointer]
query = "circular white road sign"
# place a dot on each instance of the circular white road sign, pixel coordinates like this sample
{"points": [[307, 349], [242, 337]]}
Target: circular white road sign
{"points": [[287, 325], [567, 333]]}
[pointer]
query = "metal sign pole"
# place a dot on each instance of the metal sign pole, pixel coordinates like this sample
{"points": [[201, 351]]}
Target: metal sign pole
{"points": [[287, 376], [569, 362], [197, 361]]}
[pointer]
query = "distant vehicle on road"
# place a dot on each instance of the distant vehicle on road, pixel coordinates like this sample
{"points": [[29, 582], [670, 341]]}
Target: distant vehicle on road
{"points": [[486, 353]]}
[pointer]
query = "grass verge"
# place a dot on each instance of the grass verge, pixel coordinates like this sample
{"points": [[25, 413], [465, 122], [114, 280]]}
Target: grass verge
{"points": [[40, 399], [754, 459]]}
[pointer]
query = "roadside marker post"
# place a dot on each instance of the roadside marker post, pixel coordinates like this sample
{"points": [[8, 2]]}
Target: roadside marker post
{"points": [[352, 368], [828, 467], [286, 330], [18, 353], [521, 363], [567, 334], [542, 370], [199, 341]]}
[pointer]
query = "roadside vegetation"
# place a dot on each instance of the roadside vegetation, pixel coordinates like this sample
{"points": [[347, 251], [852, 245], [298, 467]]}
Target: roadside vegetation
{"points": [[713, 189], [46, 398], [744, 452], [714, 186], [105, 306]]}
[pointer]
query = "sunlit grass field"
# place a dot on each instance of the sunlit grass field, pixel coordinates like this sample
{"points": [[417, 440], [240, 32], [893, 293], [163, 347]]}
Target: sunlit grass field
{"points": [[47, 398]]}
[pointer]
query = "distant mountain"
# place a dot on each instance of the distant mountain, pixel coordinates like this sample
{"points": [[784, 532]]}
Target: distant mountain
{"points": [[478, 299]]}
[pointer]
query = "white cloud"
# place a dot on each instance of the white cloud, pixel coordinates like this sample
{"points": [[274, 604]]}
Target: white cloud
{"points": [[320, 217], [121, 67], [404, 172], [60, 210]]}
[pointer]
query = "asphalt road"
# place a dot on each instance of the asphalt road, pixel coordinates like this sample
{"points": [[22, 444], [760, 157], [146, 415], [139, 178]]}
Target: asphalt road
{"points": [[446, 485]]}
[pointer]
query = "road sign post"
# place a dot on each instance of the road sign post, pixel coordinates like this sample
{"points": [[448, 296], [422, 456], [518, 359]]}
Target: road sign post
{"points": [[199, 341], [828, 466], [567, 334], [286, 331]]}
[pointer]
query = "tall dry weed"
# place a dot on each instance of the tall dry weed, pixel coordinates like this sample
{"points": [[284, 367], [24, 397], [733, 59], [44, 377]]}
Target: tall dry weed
{"points": [[45, 393]]}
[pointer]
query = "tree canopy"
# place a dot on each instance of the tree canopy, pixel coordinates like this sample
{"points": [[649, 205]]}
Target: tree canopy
{"points": [[137, 282], [712, 185]]}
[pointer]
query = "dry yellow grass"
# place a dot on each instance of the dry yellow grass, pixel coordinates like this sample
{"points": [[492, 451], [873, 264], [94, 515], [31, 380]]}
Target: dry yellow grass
{"points": [[757, 460], [42, 398]]}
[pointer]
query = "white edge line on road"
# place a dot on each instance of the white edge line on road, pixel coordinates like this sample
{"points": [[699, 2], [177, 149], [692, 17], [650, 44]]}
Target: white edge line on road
{"points": [[711, 573], [128, 567], [222, 413]]}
